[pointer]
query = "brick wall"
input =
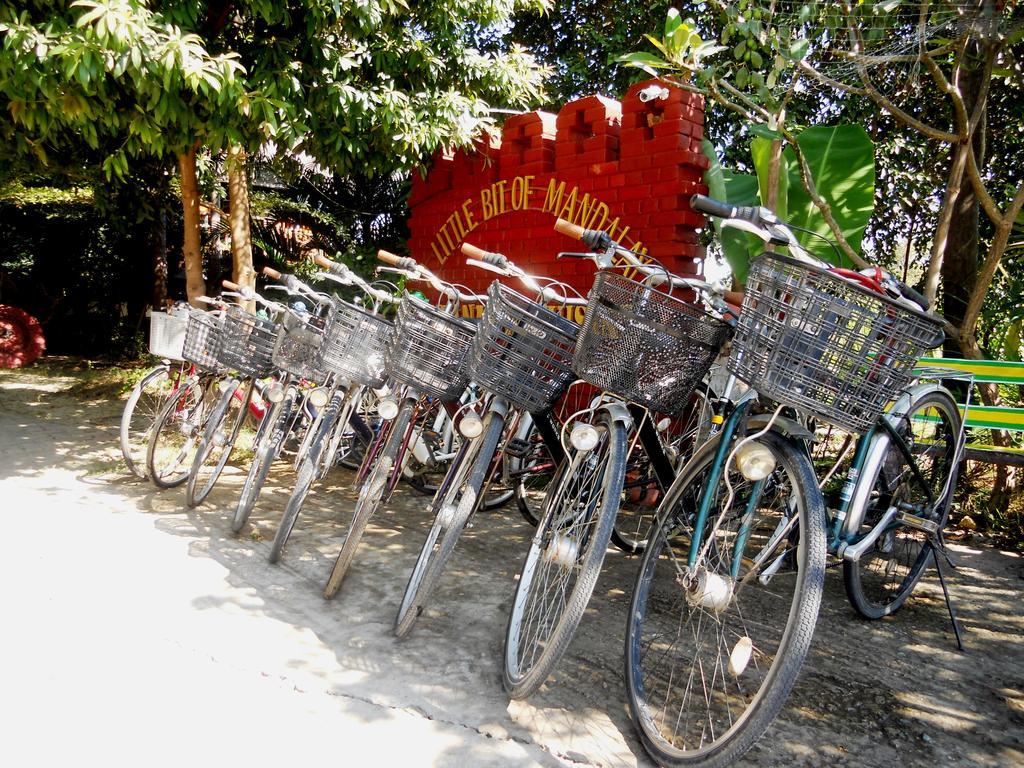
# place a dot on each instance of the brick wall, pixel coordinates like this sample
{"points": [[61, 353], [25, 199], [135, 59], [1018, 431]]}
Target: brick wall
{"points": [[626, 167]]}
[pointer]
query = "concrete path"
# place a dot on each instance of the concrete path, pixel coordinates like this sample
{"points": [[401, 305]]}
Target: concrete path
{"points": [[137, 633]]}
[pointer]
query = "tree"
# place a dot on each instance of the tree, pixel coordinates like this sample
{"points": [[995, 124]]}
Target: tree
{"points": [[373, 86]]}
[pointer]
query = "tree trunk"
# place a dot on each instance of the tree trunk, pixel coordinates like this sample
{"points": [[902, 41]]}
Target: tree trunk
{"points": [[959, 267], [195, 286], [238, 215]]}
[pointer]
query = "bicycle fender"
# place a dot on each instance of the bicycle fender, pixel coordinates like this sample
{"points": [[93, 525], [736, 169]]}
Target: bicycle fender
{"points": [[618, 411], [791, 428]]}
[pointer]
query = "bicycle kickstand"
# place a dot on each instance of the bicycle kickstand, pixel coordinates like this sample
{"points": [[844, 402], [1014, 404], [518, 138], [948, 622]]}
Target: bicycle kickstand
{"points": [[939, 547]]}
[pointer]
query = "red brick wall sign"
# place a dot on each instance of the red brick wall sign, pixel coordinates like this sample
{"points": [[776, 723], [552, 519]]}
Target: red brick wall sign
{"points": [[628, 168]]}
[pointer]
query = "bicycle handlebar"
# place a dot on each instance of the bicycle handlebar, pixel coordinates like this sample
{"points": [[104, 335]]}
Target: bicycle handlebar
{"points": [[766, 225], [487, 257]]}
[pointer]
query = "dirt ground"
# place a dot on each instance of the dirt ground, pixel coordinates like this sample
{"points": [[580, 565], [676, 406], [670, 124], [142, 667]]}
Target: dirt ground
{"points": [[139, 629]]}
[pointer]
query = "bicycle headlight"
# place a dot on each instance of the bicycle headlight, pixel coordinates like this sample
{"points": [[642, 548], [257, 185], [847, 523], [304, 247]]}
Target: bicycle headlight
{"points": [[318, 397], [387, 408], [274, 393], [470, 425], [584, 437], [755, 461]]}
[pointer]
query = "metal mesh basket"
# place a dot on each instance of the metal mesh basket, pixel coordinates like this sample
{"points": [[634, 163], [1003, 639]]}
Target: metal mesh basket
{"points": [[297, 347], [356, 345], [429, 349], [167, 332], [522, 350], [645, 345], [812, 340], [202, 339], [247, 343]]}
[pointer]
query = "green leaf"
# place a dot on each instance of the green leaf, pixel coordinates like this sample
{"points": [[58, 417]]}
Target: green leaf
{"points": [[1012, 340], [798, 49], [842, 165], [672, 22], [738, 188]]}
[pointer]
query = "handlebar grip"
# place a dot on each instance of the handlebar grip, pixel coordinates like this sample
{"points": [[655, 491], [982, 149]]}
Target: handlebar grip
{"points": [[712, 207], [909, 293], [734, 297], [272, 273], [487, 257], [322, 261], [231, 286], [401, 262], [567, 228], [721, 210]]}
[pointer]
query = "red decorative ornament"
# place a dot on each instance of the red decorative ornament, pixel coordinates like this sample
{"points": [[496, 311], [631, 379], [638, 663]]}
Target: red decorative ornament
{"points": [[21, 338]]}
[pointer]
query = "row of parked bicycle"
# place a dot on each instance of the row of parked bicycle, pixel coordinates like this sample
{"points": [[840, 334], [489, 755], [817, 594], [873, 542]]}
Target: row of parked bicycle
{"points": [[823, 440]]}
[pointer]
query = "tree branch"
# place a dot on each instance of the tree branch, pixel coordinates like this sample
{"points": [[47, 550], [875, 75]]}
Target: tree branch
{"points": [[988, 268]]}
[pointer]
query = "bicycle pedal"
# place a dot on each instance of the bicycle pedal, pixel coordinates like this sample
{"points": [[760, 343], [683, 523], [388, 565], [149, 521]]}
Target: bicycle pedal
{"points": [[920, 523], [517, 447]]}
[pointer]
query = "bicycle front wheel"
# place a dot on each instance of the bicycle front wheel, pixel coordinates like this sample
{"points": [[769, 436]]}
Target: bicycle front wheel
{"points": [[141, 412], [884, 576], [565, 558], [711, 654], [218, 441], [176, 436], [268, 444], [458, 498], [371, 494]]}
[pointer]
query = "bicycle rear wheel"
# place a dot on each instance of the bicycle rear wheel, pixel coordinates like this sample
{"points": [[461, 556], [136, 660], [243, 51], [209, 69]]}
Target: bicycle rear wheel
{"points": [[142, 411], [453, 507], [564, 560], [711, 656], [882, 579]]}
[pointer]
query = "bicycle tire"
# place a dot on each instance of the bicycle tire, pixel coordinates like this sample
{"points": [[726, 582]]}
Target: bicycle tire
{"points": [[139, 417], [218, 443], [590, 482], [268, 446], [536, 470], [883, 578], [665, 625], [305, 476], [642, 494], [371, 493], [453, 509], [167, 463]]}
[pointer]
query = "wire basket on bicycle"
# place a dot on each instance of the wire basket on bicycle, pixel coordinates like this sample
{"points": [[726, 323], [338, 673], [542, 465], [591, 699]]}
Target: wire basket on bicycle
{"points": [[429, 349], [202, 340], [297, 347], [355, 345], [645, 345], [522, 350], [247, 343], [810, 339]]}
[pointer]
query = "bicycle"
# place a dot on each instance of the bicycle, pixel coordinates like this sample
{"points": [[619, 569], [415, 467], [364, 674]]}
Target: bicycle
{"points": [[297, 356], [644, 351], [179, 426], [727, 595], [426, 357], [245, 347], [352, 352], [521, 354], [151, 393]]}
